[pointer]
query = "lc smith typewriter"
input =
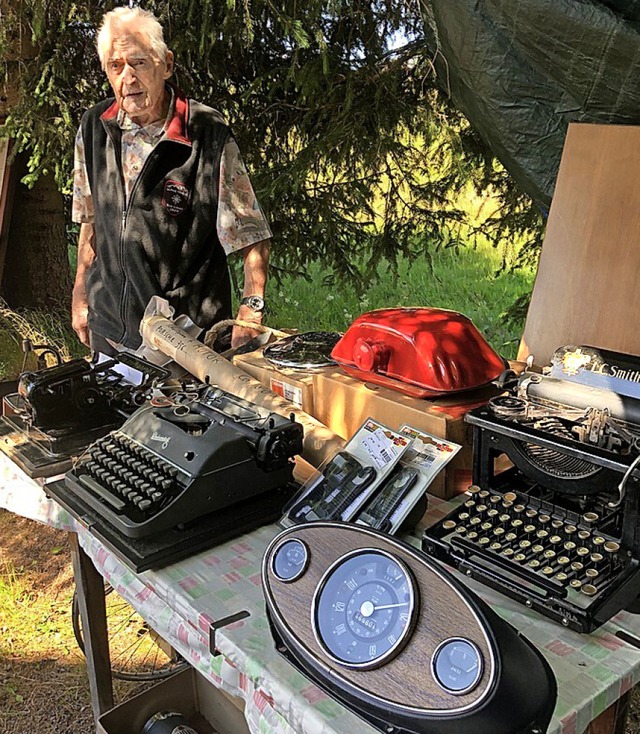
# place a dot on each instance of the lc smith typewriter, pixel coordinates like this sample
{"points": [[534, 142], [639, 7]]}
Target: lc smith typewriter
{"points": [[183, 473], [553, 517]]}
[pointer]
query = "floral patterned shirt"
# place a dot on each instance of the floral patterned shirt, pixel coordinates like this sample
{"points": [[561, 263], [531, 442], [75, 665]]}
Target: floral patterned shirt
{"points": [[240, 220]]}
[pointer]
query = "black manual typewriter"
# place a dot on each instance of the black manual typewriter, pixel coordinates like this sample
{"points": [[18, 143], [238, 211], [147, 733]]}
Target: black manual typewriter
{"points": [[58, 411], [553, 518], [181, 474]]}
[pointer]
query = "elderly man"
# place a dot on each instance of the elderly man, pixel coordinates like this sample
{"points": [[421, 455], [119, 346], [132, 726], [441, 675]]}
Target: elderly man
{"points": [[162, 197]]}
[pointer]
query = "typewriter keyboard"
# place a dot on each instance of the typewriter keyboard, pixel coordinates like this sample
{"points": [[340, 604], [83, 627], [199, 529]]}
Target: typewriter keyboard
{"points": [[127, 477], [561, 553]]}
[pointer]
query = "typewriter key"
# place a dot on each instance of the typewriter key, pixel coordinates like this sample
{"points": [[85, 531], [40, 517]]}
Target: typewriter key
{"points": [[492, 513], [537, 548], [524, 544], [557, 524], [570, 529], [469, 504], [516, 523], [528, 529], [448, 525], [508, 552], [577, 566], [481, 508], [495, 499], [510, 497], [542, 534], [548, 571], [589, 589], [475, 521], [611, 546], [549, 554], [570, 546], [531, 513], [582, 551], [596, 557], [472, 535], [544, 519], [463, 516], [575, 583], [591, 573], [519, 557], [598, 540], [495, 546], [555, 539], [507, 505], [561, 577], [504, 517], [518, 509], [563, 560], [483, 494], [461, 530], [484, 541], [584, 534], [590, 517], [498, 532], [534, 563], [473, 489], [486, 526]]}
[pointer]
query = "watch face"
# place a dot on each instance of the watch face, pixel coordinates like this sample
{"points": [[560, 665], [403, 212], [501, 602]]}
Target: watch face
{"points": [[255, 303], [364, 609]]}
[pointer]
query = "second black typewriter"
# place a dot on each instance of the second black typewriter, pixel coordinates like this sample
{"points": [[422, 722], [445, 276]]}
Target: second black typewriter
{"points": [[182, 473], [552, 518]]}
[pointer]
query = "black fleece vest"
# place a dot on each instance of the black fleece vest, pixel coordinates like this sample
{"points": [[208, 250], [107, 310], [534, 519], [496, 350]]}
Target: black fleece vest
{"points": [[165, 241]]}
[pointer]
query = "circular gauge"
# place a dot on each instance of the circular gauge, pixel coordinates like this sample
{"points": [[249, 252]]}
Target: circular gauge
{"points": [[364, 609], [290, 560], [457, 666]]}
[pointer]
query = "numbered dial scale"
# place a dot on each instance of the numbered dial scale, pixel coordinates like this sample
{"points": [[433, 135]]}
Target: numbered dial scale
{"points": [[364, 608], [398, 640]]}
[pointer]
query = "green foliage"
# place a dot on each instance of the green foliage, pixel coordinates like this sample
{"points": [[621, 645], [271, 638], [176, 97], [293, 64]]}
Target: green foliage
{"points": [[352, 147], [464, 281]]}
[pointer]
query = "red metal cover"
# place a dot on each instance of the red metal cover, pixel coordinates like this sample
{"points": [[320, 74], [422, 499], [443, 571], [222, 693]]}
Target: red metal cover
{"points": [[422, 352]]}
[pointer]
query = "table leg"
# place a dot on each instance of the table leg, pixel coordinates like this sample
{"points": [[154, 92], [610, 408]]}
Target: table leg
{"points": [[90, 587], [613, 720]]}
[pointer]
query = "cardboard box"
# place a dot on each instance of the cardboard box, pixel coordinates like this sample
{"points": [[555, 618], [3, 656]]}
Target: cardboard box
{"points": [[294, 385], [343, 403], [208, 709]]}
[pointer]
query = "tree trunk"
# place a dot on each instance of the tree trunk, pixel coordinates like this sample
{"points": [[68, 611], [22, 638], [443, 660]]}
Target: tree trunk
{"points": [[36, 269]]}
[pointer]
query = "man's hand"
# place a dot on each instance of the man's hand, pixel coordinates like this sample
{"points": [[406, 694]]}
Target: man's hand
{"points": [[79, 315], [241, 335], [79, 303]]}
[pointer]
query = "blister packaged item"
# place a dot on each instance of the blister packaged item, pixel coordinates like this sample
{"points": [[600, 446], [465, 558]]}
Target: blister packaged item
{"points": [[347, 481], [403, 491]]}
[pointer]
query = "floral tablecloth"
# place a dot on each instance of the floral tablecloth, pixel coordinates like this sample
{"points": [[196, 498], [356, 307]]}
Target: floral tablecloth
{"points": [[181, 601]]}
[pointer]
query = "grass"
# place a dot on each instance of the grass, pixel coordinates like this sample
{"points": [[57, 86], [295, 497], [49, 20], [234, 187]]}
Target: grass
{"points": [[468, 280]]}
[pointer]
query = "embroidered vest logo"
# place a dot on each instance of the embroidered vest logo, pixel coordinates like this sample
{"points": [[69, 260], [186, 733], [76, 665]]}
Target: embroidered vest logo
{"points": [[175, 198]]}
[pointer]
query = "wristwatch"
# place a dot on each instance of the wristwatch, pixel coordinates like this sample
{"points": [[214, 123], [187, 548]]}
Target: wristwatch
{"points": [[255, 303]]}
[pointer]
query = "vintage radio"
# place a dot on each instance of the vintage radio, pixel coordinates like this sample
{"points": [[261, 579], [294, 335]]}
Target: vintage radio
{"points": [[553, 517]]}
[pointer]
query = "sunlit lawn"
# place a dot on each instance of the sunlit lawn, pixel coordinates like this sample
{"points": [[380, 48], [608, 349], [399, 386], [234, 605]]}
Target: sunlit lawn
{"points": [[467, 280]]}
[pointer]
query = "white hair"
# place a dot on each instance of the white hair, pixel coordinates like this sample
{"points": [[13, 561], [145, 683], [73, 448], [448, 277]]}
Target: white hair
{"points": [[121, 19]]}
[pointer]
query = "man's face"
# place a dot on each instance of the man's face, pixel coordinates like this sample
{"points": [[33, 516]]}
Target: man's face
{"points": [[137, 77]]}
